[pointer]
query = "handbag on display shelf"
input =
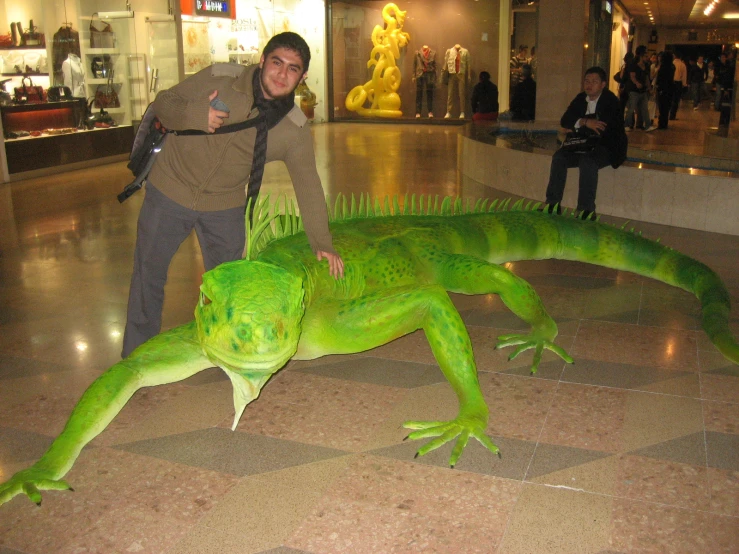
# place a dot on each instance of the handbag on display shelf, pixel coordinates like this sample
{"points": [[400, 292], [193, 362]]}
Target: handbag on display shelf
{"points": [[29, 94], [59, 93], [106, 96], [31, 36], [101, 38], [101, 66], [93, 119]]}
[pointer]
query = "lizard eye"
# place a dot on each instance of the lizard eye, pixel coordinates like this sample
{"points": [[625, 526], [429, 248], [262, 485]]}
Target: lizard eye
{"points": [[204, 300]]}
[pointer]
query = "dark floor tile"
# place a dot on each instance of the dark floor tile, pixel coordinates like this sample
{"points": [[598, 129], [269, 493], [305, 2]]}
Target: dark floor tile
{"points": [[723, 450], [690, 449], [546, 370], [379, 371], [628, 316], [498, 319], [550, 458], [231, 452], [21, 446], [514, 458], [624, 376]]}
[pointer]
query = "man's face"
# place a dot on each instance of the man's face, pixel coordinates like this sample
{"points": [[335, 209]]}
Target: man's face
{"points": [[593, 85], [282, 71], [700, 59]]}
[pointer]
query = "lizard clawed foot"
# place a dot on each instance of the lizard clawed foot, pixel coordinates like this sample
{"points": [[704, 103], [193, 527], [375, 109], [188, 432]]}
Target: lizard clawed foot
{"points": [[461, 428], [529, 341], [31, 482]]}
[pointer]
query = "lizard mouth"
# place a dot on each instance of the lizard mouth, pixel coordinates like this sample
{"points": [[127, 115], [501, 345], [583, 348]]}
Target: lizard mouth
{"points": [[249, 363]]}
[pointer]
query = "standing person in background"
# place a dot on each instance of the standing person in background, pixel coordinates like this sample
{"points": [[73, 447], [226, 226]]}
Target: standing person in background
{"points": [[639, 90], [720, 76], [708, 79], [516, 64], [533, 62], [664, 83], [680, 82], [623, 83], [485, 99], [695, 79]]}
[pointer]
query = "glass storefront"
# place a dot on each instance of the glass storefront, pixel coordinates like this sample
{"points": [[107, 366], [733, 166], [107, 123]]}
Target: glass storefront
{"points": [[442, 46], [72, 80]]}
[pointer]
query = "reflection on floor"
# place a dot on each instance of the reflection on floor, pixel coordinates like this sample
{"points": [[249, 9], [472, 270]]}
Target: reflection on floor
{"points": [[633, 449]]}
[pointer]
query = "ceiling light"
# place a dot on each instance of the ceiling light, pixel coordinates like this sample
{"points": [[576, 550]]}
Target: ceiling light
{"points": [[733, 15]]}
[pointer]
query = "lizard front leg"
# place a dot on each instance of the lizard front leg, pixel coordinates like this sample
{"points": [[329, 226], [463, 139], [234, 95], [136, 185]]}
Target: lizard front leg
{"points": [[166, 358], [470, 275], [359, 324]]}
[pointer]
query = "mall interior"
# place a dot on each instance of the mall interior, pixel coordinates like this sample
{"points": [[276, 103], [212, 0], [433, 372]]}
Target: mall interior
{"points": [[634, 448]]}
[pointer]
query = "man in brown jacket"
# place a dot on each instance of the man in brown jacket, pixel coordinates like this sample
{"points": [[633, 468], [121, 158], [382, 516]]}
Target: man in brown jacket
{"points": [[200, 181]]}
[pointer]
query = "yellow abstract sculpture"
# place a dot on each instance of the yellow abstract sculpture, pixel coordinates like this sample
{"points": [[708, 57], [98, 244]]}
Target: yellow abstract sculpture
{"points": [[381, 89]]}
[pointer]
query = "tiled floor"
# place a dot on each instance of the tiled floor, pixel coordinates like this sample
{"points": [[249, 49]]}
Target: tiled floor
{"points": [[635, 448]]}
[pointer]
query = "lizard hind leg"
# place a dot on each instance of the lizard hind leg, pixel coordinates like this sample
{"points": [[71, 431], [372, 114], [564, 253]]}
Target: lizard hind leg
{"points": [[470, 275]]}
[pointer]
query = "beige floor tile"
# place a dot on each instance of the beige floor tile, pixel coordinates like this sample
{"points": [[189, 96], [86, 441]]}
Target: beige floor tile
{"points": [[549, 519], [663, 482], [653, 528], [586, 417]]}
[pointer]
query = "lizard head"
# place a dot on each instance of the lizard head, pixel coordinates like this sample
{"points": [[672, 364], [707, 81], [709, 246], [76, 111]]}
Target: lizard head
{"points": [[249, 315]]}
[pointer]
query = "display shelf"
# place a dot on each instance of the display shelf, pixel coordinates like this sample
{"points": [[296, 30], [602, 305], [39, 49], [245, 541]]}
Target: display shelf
{"points": [[4, 48], [102, 81], [124, 80], [25, 74]]}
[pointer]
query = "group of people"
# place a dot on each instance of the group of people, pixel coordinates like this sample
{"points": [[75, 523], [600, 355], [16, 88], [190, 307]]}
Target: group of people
{"points": [[664, 79]]}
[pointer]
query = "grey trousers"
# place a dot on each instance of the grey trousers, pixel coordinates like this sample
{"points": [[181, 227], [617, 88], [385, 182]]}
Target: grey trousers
{"points": [[163, 225]]}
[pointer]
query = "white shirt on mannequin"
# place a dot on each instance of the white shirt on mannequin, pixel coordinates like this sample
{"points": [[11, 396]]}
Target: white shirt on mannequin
{"points": [[74, 76]]}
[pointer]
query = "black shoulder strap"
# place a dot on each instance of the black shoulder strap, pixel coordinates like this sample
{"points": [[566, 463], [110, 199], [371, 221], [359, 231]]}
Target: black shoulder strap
{"points": [[221, 130]]}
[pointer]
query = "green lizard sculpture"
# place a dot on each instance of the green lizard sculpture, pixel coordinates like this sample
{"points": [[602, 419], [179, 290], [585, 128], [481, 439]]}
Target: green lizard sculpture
{"points": [[279, 303]]}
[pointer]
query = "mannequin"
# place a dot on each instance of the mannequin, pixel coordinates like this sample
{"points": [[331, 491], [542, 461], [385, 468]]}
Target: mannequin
{"points": [[457, 64], [74, 75], [424, 75]]}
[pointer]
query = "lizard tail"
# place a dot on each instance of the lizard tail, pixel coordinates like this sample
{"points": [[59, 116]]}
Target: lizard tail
{"points": [[609, 246]]}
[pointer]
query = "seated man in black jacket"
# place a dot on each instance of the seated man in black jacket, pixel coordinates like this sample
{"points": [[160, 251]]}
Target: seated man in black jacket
{"points": [[597, 109]]}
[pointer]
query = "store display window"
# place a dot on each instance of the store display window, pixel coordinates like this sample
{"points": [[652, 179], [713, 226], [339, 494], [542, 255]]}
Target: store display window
{"points": [[71, 82], [414, 60]]}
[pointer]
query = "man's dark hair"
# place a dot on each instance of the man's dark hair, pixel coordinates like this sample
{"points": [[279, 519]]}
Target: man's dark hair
{"points": [[484, 76], [598, 71], [640, 50], [291, 41], [526, 71]]}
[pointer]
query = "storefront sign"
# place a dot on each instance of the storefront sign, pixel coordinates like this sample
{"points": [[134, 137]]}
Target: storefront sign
{"points": [[213, 8]]}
